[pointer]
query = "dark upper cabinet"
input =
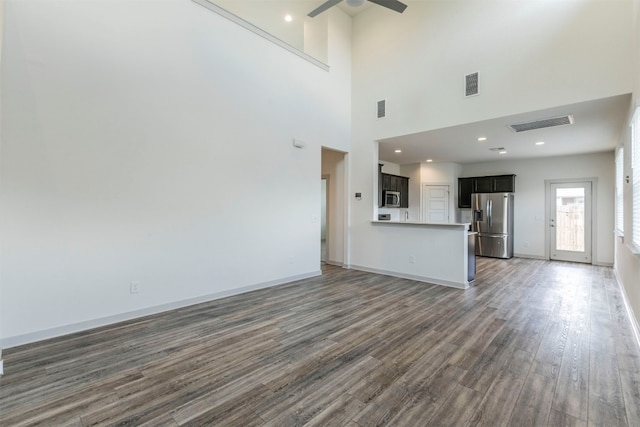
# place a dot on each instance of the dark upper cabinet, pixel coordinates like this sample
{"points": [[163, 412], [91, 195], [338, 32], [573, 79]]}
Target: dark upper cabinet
{"points": [[404, 192], [465, 188], [388, 182], [484, 184], [504, 184], [379, 184]]}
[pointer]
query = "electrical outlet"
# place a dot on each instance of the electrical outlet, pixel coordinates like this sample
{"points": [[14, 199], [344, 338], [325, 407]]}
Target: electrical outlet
{"points": [[412, 259], [134, 287], [526, 244]]}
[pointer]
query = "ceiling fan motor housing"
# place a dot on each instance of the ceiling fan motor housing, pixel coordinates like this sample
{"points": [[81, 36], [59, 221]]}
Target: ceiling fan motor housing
{"points": [[395, 5]]}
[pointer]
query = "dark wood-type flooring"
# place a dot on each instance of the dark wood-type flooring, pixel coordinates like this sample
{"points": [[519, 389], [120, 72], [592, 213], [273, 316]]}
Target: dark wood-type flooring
{"points": [[532, 343]]}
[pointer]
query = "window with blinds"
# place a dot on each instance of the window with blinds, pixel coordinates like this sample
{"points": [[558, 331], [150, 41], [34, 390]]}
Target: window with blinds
{"points": [[620, 191], [635, 166]]}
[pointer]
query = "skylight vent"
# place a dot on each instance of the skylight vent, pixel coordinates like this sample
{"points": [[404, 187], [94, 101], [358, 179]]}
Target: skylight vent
{"points": [[541, 124]]}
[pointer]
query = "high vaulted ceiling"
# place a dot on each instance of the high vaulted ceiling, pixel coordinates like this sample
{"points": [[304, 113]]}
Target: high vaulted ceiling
{"points": [[597, 128]]}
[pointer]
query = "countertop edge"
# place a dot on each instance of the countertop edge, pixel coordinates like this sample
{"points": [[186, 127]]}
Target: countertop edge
{"points": [[464, 225]]}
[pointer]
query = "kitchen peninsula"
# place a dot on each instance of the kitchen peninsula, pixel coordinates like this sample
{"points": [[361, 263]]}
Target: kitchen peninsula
{"points": [[439, 253]]}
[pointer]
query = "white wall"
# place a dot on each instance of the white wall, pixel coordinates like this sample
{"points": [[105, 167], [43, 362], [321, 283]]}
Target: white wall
{"points": [[531, 56], [627, 263], [153, 143], [390, 168], [1, 33], [530, 222]]}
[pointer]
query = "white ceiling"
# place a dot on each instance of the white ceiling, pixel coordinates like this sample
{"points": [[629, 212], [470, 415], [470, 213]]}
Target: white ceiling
{"points": [[598, 126]]}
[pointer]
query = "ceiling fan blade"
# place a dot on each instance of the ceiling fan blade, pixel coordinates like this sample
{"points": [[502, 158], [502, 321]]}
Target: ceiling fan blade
{"points": [[391, 4], [324, 6]]}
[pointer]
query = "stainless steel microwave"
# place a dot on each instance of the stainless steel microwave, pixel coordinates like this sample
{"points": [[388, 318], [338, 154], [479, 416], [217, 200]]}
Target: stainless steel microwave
{"points": [[391, 199]]}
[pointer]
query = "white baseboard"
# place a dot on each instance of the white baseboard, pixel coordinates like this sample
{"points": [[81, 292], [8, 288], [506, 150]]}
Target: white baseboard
{"points": [[122, 317], [632, 316], [410, 277], [1, 367], [596, 263], [602, 264], [530, 256]]}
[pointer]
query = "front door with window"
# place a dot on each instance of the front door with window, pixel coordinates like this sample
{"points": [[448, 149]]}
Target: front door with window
{"points": [[570, 222]]}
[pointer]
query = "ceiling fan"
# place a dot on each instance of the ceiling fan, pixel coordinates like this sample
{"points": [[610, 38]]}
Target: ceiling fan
{"points": [[390, 4]]}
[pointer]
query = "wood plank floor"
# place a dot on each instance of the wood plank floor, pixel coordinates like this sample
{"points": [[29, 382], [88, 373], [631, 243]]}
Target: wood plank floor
{"points": [[532, 343]]}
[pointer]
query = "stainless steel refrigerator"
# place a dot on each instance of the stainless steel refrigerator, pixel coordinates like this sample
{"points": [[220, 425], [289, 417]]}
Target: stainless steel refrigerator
{"points": [[492, 216]]}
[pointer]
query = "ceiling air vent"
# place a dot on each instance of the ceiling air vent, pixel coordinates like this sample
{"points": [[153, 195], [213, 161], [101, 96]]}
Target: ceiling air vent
{"points": [[471, 84], [382, 109], [541, 124]]}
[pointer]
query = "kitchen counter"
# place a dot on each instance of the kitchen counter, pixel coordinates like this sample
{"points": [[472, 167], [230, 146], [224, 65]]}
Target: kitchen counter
{"points": [[439, 253]]}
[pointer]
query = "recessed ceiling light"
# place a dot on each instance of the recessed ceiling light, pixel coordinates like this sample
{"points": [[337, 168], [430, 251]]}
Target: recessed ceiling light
{"points": [[502, 152], [429, 160], [540, 143], [288, 18], [398, 151], [482, 138]]}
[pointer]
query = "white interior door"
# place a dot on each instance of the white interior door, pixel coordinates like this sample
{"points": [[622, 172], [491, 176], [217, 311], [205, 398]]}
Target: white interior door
{"points": [[570, 222], [435, 203]]}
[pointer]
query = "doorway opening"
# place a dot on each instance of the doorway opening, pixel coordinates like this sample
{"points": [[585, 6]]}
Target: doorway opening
{"points": [[570, 221], [324, 203], [333, 201]]}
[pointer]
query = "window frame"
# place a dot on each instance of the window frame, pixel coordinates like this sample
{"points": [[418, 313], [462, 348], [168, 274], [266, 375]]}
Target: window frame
{"points": [[619, 214], [635, 181], [619, 206]]}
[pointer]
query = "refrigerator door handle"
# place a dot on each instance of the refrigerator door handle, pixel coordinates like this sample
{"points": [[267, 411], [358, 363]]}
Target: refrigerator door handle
{"points": [[489, 212]]}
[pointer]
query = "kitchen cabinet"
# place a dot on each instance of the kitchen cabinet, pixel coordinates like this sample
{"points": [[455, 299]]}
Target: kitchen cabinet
{"points": [[389, 182], [483, 184], [504, 184], [465, 188], [404, 192]]}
